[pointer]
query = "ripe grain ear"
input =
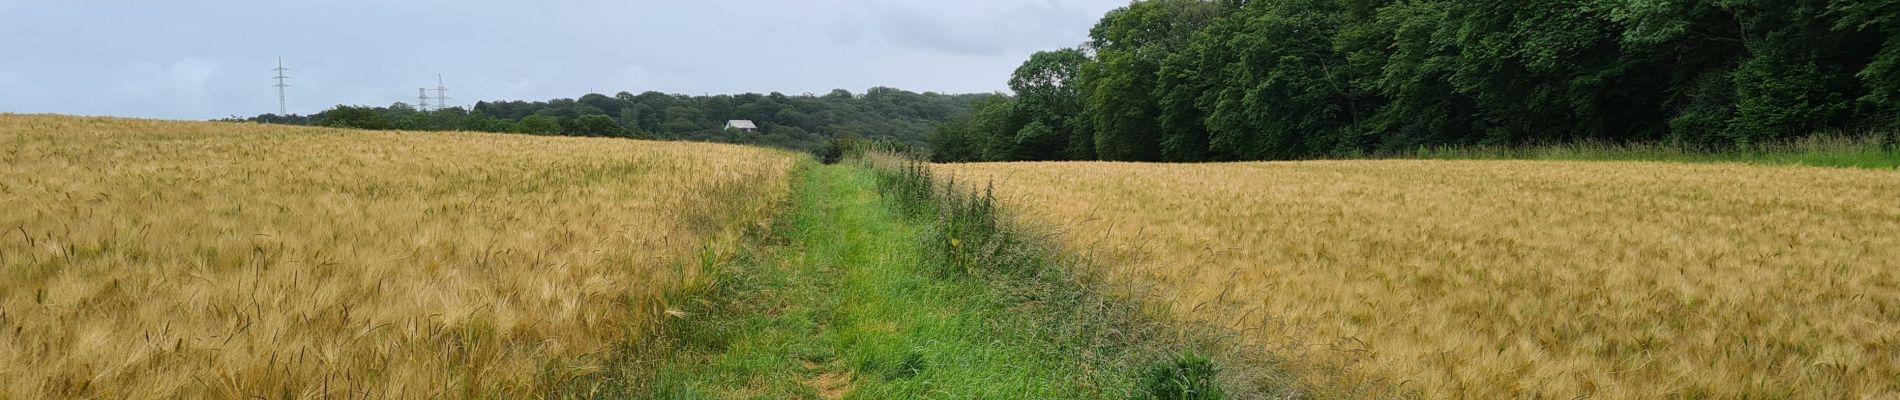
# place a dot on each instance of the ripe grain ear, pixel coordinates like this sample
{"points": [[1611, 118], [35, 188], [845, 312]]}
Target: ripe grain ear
{"points": [[1471, 278], [342, 263]]}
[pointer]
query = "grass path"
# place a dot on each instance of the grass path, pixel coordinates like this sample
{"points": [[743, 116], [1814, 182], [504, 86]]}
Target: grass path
{"points": [[839, 307]]}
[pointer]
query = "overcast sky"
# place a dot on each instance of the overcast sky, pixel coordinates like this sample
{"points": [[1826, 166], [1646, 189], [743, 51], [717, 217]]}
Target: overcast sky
{"points": [[212, 58]]}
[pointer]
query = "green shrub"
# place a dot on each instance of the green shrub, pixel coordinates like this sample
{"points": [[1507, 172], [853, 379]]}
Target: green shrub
{"points": [[1186, 377]]}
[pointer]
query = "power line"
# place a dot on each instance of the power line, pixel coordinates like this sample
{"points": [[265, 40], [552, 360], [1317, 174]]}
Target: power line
{"points": [[281, 109], [441, 94]]}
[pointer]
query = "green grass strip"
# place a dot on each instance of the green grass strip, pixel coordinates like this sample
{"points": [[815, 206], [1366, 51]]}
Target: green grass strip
{"points": [[843, 309]]}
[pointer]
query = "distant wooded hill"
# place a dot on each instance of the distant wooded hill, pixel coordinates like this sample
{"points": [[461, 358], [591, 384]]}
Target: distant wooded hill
{"points": [[802, 122]]}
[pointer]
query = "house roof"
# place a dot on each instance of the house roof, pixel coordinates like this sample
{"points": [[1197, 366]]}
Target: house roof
{"points": [[741, 124]]}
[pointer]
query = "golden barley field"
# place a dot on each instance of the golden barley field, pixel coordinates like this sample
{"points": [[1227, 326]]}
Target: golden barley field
{"points": [[1509, 279], [145, 259]]}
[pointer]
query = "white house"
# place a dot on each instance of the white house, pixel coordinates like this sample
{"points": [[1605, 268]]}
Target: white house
{"points": [[742, 125]]}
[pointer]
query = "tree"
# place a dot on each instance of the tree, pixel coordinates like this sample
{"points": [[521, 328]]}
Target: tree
{"points": [[1187, 80], [683, 119], [1037, 141], [353, 117], [601, 103], [539, 125], [998, 120], [1048, 87], [801, 122], [1199, 80], [1881, 76], [1273, 85], [599, 125], [1130, 44], [956, 142]]}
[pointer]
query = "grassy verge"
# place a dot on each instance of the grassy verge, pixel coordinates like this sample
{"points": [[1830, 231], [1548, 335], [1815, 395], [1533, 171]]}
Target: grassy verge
{"points": [[853, 296], [973, 238], [1871, 151]]}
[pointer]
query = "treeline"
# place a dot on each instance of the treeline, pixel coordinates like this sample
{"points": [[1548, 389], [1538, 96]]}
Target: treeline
{"points": [[1191, 80], [805, 122]]}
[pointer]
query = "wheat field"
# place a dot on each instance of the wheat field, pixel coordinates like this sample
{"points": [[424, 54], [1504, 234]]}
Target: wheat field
{"points": [[146, 259], [1508, 279]]}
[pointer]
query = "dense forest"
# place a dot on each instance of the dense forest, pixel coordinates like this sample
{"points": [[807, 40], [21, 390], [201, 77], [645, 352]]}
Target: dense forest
{"points": [[1191, 80], [805, 122]]}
